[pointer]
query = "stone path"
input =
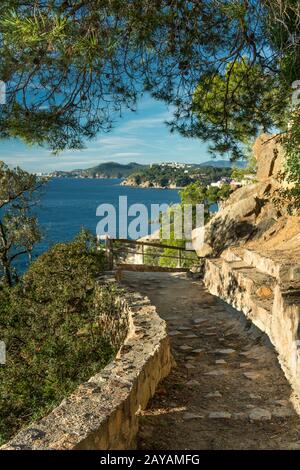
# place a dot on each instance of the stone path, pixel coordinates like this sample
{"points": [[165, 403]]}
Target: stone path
{"points": [[227, 390]]}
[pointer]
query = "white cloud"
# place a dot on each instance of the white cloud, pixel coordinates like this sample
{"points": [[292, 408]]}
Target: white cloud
{"points": [[61, 165], [118, 141], [126, 154], [144, 123]]}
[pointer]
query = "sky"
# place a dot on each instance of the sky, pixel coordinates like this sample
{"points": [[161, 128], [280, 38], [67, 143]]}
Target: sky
{"points": [[140, 136]]}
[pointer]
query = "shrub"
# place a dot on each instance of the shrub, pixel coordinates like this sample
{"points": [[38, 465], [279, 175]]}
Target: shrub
{"points": [[60, 326]]}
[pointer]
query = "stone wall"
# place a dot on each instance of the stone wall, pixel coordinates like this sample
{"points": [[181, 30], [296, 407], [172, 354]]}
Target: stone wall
{"points": [[103, 412], [270, 304]]}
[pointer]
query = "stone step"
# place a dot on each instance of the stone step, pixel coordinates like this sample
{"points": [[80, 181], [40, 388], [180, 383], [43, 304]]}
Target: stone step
{"points": [[242, 286], [277, 315], [232, 254], [258, 285], [281, 265]]}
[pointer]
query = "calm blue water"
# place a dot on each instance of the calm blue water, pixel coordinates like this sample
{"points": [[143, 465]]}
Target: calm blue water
{"points": [[66, 205]]}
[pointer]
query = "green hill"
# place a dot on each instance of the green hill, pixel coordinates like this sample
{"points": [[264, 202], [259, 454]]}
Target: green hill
{"points": [[114, 170], [104, 170]]}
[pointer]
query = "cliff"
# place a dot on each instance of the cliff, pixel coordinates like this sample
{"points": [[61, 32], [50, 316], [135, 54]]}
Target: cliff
{"points": [[251, 216], [130, 181]]}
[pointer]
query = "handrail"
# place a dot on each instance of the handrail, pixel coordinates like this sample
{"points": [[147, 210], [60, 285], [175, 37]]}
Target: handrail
{"points": [[155, 245], [112, 249]]}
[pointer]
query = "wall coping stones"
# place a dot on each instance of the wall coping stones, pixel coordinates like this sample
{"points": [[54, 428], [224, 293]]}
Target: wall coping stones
{"points": [[278, 317], [102, 413]]}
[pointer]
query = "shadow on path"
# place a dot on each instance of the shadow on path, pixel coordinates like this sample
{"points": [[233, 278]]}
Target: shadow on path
{"points": [[227, 390]]}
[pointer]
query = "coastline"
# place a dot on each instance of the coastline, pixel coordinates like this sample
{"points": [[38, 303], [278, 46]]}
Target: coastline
{"points": [[122, 182], [148, 185]]}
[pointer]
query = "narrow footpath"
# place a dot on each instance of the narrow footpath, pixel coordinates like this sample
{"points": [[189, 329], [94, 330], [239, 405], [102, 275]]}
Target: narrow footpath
{"points": [[227, 390]]}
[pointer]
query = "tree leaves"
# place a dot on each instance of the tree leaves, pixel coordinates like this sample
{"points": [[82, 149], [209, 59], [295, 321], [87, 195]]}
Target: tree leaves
{"points": [[19, 230], [70, 69]]}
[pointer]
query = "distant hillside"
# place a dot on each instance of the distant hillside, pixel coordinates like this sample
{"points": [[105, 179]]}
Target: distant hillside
{"points": [[224, 164], [115, 170], [167, 176], [119, 170], [104, 170]]}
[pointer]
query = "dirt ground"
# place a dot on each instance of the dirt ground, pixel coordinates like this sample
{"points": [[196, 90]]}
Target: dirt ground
{"points": [[227, 390]]}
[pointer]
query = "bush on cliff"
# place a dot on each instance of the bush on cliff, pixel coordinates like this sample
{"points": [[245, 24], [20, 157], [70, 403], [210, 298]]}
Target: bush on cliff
{"points": [[193, 194], [60, 326]]}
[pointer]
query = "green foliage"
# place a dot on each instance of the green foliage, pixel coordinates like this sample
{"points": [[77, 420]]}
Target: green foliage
{"points": [[19, 229], [233, 106], [217, 194], [103, 170], [195, 193], [282, 25], [289, 195], [60, 326], [170, 257], [239, 174], [70, 61], [77, 65], [226, 67]]}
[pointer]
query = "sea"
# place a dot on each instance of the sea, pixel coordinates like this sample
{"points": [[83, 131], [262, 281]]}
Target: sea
{"points": [[68, 204]]}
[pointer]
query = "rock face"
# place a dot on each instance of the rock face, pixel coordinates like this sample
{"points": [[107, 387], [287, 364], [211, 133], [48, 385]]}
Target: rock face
{"points": [[249, 212], [269, 156]]}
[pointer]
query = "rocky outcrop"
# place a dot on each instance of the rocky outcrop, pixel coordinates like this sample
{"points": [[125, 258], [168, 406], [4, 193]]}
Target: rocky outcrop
{"points": [[148, 184], [250, 210], [269, 156], [236, 222], [103, 412]]}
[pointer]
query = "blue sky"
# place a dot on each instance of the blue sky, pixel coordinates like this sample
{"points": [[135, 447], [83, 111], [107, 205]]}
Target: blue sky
{"points": [[140, 137]]}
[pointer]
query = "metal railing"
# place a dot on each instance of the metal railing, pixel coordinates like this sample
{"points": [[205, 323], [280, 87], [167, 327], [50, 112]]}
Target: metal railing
{"points": [[125, 251]]}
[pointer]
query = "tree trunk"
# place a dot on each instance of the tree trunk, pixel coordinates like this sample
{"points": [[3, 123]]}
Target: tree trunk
{"points": [[5, 259], [7, 274]]}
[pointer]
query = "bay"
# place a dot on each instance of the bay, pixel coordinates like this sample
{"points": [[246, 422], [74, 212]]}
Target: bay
{"points": [[67, 204]]}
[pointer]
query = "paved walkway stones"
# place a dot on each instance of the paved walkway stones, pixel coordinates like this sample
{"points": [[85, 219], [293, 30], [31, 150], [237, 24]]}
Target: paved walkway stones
{"points": [[240, 404]]}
